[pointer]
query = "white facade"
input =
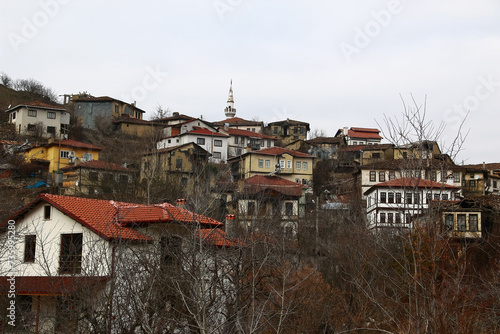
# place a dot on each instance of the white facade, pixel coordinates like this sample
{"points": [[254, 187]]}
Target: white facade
{"points": [[47, 122], [216, 145], [397, 206]]}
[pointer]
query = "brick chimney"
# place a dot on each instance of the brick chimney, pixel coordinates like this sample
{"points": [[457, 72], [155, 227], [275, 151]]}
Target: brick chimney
{"points": [[230, 224], [181, 203]]}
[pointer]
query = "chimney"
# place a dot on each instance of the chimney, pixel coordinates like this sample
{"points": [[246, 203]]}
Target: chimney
{"points": [[181, 203], [484, 165], [230, 224], [345, 130], [175, 114]]}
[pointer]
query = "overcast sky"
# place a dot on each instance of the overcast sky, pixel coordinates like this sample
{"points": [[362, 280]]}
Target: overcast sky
{"points": [[330, 63]]}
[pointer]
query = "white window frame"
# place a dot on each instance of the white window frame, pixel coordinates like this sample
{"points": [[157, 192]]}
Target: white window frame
{"points": [[289, 164], [261, 163], [304, 165], [298, 165], [218, 143], [31, 112], [50, 114]]}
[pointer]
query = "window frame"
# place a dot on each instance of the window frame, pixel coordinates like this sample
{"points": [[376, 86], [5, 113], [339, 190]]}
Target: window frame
{"points": [[29, 248], [200, 140], [217, 143], [32, 112], [51, 114], [71, 250]]}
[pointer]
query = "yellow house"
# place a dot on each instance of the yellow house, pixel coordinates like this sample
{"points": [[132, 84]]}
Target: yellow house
{"points": [[289, 164], [63, 153], [136, 127], [424, 149]]}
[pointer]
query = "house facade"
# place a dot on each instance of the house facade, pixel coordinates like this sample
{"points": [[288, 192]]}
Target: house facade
{"points": [[92, 111], [40, 119], [291, 165], [62, 153], [81, 264], [396, 203], [94, 178], [288, 130], [360, 136], [240, 141]]}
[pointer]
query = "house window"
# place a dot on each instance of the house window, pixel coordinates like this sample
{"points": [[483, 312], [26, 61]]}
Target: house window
{"points": [[184, 181], [449, 221], [416, 198], [117, 109], [70, 261], [169, 141], [405, 155], [94, 176], [268, 163], [409, 198], [433, 176], [29, 248], [297, 165], [32, 113], [251, 208], [398, 218], [268, 143], [289, 164], [472, 183], [390, 198], [494, 184], [383, 197], [51, 129], [375, 155], [242, 141], [236, 140], [355, 143], [51, 115], [64, 154], [289, 209], [261, 163], [31, 127], [373, 176], [87, 157], [461, 222], [408, 218], [47, 210], [282, 164], [200, 141], [456, 177], [473, 226], [217, 155], [444, 197], [275, 129], [381, 176], [262, 143], [253, 129], [178, 164], [382, 218], [428, 198], [14, 115], [390, 218], [398, 198], [304, 165], [218, 143], [238, 151], [436, 197]]}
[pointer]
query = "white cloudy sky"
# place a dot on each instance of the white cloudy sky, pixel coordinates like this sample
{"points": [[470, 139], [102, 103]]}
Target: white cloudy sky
{"points": [[330, 63]]}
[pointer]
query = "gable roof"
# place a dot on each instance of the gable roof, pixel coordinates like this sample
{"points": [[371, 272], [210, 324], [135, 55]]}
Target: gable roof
{"points": [[217, 237], [238, 121], [290, 122], [202, 131], [364, 133], [247, 133], [281, 150], [73, 143], [259, 183], [104, 99], [37, 104], [112, 220], [412, 182], [173, 148]]}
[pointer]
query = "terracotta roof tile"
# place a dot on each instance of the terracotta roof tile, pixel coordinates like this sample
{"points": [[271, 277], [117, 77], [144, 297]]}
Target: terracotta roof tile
{"points": [[111, 219], [238, 121], [203, 131], [38, 104], [281, 150], [246, 133], [74, 143], [217, 237], [414, 183], [364, 133], [258, 183]]}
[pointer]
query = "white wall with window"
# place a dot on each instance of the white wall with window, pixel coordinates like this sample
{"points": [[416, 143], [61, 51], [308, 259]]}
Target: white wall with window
{"points": [[34, 120]]}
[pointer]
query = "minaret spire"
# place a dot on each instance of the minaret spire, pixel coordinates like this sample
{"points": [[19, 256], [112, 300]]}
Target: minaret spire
{"points": [[230, 111]]}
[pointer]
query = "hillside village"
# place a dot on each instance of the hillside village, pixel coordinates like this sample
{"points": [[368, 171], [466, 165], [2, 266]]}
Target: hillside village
{"points": [[236, 224]]}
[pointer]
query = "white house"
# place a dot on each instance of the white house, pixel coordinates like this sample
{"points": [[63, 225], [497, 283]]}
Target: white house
{"points": [[81, 264], [396, 202], [213, 142], [38, 118]]}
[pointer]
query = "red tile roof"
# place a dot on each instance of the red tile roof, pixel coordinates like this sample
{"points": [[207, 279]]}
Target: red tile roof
{"points": [[217, 237], [51, 285], [365, 133], [281, 150], [203, 131], [74, 143], [38, 104], [258, 183], [111, 219], [96, 164], [246, 133], [413, 183], [238, 121]]}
